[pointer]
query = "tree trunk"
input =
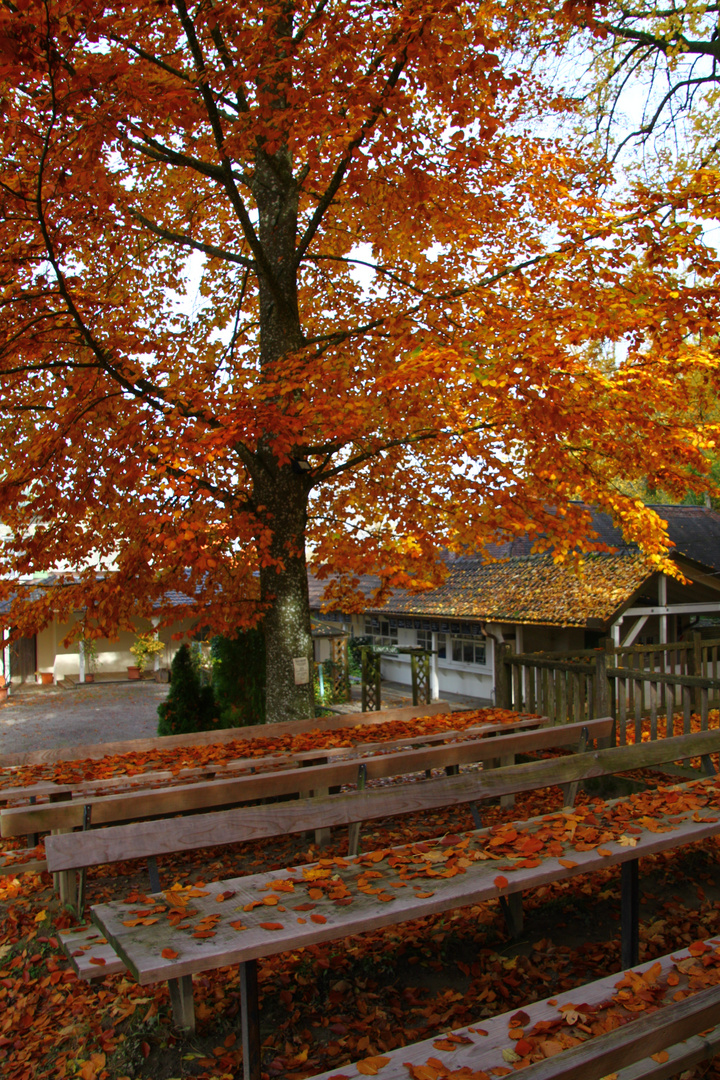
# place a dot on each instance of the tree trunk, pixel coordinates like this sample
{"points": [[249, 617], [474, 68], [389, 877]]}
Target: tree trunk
{"points": [[284, 590], [280, 491]]}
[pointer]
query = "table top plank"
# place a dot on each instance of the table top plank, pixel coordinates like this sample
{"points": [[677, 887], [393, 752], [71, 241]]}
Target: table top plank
{"points": [[485, 878]]}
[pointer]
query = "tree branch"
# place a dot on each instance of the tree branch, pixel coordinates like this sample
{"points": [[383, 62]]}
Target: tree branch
{"points": [[187, 241]]}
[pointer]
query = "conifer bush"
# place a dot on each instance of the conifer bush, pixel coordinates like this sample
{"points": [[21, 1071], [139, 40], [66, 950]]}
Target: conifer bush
{"points": [[189, 706], [239, 678]]}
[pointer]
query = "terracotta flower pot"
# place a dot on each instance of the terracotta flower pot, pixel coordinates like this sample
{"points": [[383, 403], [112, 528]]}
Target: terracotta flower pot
{"points": [[90, 678], [133, 673], [46, 678]]}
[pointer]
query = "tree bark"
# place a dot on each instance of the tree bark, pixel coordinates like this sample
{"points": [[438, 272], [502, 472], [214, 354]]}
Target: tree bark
{"points": [[283, 494]]}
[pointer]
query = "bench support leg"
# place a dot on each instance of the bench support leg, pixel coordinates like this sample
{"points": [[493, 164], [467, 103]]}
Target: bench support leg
{"points": [[354, 828], [153, 874], [250, 1015], [570, 790], [68, 888], [512, 909], [353, 839], [630, 914], [183, 1006]]}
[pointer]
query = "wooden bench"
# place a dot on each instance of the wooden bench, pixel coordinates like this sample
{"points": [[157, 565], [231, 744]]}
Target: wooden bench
{"points": [[48, 816], [144, 937], [142, 953], [64, 812], [680, 1028], [68, 852]]}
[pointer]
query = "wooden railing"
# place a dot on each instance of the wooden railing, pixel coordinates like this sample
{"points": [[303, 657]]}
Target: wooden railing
{"points": [[613, 682]]}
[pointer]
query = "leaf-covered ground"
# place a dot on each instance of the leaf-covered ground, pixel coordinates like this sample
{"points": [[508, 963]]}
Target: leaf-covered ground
{"points": [[329, 1004]]}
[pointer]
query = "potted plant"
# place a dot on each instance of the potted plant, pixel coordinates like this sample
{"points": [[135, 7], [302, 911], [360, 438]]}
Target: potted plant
{"points": [[145, 648], [91, 659]]}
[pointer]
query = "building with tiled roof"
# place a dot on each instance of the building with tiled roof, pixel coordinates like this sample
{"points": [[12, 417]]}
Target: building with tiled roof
{"points": [[540, 605]]}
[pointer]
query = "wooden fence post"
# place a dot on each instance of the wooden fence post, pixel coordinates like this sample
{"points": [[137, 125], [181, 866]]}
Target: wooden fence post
{"points": [[503, 697], [603, 695], [696, 666]]}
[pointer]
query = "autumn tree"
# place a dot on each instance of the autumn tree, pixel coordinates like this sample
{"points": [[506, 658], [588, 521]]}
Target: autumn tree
{"points": [[291, 278]]}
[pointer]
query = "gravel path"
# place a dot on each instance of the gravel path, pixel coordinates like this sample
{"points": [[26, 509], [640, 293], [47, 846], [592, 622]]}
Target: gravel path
{"points": [[53, 716]]}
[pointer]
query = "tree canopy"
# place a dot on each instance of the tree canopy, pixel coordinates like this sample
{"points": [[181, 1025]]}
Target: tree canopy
{"points": [[326, 280]]}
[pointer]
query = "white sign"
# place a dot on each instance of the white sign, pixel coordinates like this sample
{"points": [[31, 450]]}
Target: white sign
{"points": [[302, 670]]}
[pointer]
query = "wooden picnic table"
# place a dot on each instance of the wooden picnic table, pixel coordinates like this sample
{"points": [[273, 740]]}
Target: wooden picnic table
{"points": [[386, 888]]}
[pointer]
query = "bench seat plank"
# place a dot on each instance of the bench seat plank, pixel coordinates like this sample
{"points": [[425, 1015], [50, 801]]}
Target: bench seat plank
{"points": [[141, 946], [19, 821], [484, 1051]]}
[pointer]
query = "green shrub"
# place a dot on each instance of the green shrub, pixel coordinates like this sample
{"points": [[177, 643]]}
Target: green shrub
{"points": [[239, 678], [189, 706]]}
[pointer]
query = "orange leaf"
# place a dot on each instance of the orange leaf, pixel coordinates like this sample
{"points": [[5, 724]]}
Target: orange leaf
{"points": [[422, 1072], [500, 882], [424, 895], [318, 918], [371, 1066], [660, 1057], [169, 954], [97, 960], [238, 925], [271, 925], [567, 863], [204, 933]]}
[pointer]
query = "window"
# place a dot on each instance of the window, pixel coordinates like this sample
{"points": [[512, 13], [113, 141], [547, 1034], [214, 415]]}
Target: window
{"points": [[382, 634], [468, 650], [424, 639]]}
